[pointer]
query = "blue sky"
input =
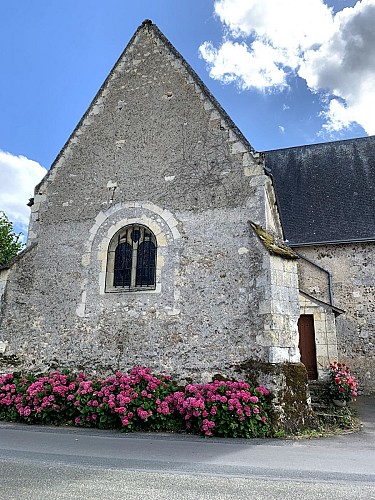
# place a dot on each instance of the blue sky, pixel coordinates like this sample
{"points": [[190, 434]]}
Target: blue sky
{"points": [[288, 72]]}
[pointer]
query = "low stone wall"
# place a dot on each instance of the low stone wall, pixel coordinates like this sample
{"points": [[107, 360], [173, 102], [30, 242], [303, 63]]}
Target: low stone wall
{"points": [[291, 408]]}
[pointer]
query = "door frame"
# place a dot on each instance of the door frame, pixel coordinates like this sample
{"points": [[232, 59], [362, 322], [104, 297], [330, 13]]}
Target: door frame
{"points": [[307, 344]]}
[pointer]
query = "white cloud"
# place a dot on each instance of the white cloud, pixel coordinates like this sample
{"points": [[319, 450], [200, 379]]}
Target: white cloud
{"points": [[345, 67], [276, 32], [235, 62], [287, 24], [338, 117], [18, 177], [282, 129], [267, 42]]}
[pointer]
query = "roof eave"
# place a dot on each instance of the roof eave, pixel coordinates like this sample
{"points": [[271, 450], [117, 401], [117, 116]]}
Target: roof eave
{"points": [[330, 242], [336, 310]]}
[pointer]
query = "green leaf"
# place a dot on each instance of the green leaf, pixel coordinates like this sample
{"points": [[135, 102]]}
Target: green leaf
{"points": [[10, 243]]}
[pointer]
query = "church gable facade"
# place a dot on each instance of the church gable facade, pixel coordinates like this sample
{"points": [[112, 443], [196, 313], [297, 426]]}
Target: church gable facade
{"points": [[140, 250]]}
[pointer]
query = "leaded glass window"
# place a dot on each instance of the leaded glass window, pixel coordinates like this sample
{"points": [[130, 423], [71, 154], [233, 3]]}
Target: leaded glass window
{"points": [[134, 262]]}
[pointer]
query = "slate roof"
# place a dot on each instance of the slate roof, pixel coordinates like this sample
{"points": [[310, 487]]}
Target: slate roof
{"points": [[326, 192]]}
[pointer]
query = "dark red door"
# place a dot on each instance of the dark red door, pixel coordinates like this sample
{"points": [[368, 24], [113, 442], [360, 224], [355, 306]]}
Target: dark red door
{"points": [[307, 344]]}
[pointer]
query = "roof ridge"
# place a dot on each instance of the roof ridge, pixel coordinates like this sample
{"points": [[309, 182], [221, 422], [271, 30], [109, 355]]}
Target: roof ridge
{"points": [[321, 143], [149, 25]]}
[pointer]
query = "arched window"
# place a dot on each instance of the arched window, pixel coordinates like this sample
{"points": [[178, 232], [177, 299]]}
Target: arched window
{"points": [[131, 262]]}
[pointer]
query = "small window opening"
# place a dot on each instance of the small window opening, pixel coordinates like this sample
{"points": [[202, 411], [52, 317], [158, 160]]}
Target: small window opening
{"points": [[134, 259]]}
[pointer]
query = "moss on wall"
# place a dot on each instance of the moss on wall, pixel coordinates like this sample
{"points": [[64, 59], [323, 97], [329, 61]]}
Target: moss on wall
{"points": [[291, 408], [272, 243]]}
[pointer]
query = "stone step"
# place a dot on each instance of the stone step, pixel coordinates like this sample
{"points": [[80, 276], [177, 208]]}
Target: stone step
{"points": [[318, 392]]}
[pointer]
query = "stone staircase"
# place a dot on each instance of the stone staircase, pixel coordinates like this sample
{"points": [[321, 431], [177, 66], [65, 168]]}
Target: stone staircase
{"points": [[328, 414], [318, 393]]}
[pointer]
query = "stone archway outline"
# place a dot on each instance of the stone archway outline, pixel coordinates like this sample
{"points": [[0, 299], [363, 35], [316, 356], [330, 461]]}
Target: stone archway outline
{"points": [[149, 209]]}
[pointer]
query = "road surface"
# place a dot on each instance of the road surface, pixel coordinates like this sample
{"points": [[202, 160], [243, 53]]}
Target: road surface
{"points": [[68, 463]]}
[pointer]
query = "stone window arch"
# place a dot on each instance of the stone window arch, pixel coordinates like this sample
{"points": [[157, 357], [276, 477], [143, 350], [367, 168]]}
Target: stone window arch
{"points": [[131, 260]]}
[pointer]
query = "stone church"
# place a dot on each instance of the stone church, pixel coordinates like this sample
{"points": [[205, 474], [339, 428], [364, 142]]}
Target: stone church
{"points": [[326, 199], [158, 237]]}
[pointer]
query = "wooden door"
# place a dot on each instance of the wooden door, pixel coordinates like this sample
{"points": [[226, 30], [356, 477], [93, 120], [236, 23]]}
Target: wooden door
{"points": [[307, 345]]}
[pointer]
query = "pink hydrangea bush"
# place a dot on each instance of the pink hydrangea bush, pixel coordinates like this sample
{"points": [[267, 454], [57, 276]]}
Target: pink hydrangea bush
{"points": [[10, 395], [135, 401], [38, 399], [223, 408], [123, 401], [126, 401]]}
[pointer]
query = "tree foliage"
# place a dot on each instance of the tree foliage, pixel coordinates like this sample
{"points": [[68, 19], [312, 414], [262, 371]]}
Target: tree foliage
{"points": [[10, 243]]}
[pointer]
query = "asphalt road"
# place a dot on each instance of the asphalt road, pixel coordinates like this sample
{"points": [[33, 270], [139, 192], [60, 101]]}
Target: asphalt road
{"points": [[68, 463]]}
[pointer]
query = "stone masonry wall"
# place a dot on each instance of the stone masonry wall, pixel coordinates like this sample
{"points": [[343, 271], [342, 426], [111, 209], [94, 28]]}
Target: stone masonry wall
{"points": [[154, 148], [313, 280], [353, 277]]}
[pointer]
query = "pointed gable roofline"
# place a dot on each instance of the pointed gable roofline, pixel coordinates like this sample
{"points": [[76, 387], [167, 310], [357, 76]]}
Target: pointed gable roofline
{"points": [[149, 25]]}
